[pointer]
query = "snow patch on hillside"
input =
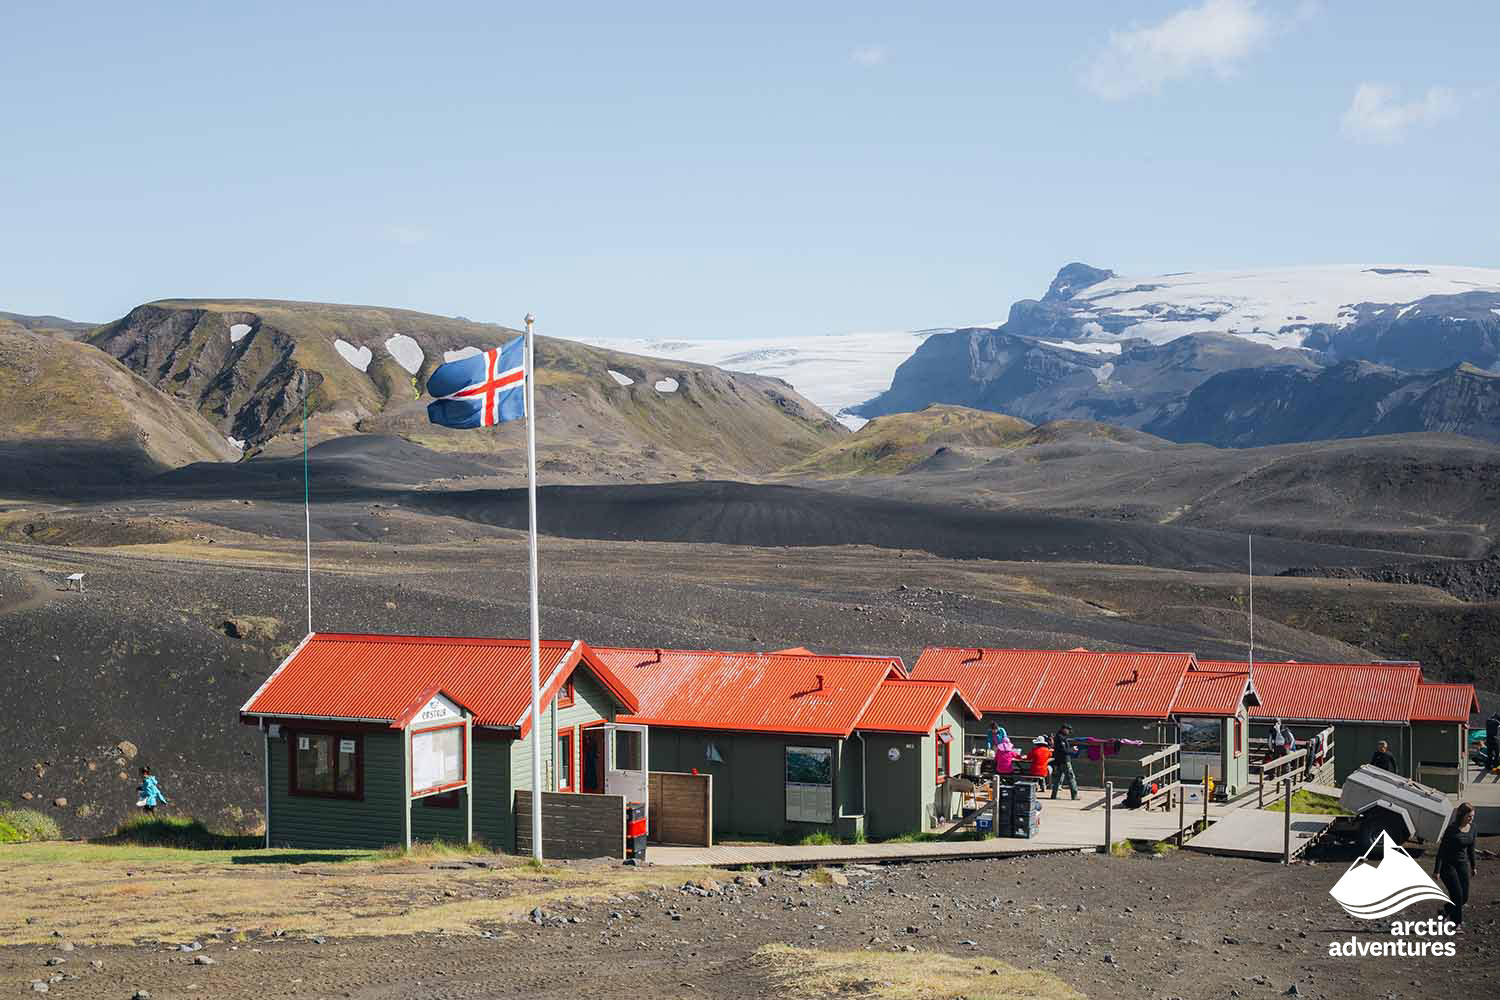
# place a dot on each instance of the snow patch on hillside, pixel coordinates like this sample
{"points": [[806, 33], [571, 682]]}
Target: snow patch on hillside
{"points": [[1085, 346], [620, 377], [461, 353], [406, 351], [358, 357], [666, 385], [238, 332], [834, 371]]}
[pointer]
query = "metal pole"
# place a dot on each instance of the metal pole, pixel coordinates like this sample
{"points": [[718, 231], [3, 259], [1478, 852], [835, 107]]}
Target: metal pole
{"points": [[1109, 815], [1286, 824], [1181, 812], [995, 809], [1250, 548], [536, 640], [306, 504], [1207, 781]]}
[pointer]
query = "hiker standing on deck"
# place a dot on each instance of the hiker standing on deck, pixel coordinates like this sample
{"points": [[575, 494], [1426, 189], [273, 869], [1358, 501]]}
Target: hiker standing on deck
{"points": [[150, 791], [1063, 752]]}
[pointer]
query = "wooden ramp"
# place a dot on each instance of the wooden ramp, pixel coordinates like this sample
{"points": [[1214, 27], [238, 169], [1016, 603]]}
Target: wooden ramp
{"points": [[1259, 833]]}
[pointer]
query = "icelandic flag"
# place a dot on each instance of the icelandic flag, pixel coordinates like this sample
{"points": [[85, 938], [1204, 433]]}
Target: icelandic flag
{"points": [[482, 390]]}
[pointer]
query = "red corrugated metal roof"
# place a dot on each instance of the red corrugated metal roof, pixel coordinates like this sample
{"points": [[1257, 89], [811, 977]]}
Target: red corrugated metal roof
{"points": [[750, 692], [378, 677], [1331, 692], [1211, 692], [1444, 703], [905, 705], [1061, 682]]}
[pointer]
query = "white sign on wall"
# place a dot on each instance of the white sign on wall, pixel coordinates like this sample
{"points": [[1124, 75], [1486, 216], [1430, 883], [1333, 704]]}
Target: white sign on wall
{"points": [[346, 746], [437, 758]]}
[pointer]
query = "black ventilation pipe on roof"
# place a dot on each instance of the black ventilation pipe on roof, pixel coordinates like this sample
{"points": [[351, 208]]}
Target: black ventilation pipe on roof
{"points": [[978, 655], [651, 662]]}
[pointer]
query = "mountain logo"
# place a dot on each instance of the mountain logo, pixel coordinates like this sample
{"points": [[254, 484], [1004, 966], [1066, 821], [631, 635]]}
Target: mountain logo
{"points": [[1376, 889]]}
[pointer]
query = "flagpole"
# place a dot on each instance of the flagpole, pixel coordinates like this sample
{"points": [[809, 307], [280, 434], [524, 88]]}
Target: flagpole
{"points": [[536, 641], [306, 503], [1250, 549]]}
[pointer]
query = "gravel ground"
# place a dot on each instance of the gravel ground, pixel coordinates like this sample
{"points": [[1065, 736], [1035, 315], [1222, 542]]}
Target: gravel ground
{"points": [[1182, 925]]}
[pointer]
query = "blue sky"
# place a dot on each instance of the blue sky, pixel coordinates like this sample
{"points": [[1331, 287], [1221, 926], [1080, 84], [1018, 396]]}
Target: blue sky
{"points": [[675, 170]]}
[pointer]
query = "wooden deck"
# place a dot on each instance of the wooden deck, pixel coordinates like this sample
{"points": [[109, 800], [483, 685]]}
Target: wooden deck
{"points": [[1259, 833], [765, 855], [1066, 825]]}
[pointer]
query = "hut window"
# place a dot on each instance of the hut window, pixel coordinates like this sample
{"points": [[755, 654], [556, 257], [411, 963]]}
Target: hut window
{"points": [[809, 784], [1239, 736], [565, 694], [565, 762], [628, 751], [327, 764], [944, 744]]}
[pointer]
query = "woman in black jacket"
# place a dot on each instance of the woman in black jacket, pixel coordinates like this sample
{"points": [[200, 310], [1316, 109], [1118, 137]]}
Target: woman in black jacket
{"points": [[1455, 860]]}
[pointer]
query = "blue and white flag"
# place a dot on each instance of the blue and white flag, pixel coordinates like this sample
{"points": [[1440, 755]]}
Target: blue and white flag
{"points": [[482, 390]]}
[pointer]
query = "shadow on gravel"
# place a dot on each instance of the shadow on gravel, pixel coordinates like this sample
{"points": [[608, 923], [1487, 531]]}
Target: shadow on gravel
{"points": [[177, 832], [308, 858]]}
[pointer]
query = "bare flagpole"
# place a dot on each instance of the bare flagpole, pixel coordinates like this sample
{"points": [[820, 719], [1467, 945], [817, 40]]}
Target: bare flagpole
{"points": [[536, 641], [306, 503], [1250, 547]]}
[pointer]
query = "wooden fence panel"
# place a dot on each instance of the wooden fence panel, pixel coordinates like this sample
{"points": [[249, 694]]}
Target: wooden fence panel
{"points": [[681, 809], [573, 825]]}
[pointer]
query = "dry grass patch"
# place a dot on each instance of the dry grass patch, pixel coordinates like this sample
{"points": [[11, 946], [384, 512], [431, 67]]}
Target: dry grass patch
{"points": [[128, 893], [811, 974]]}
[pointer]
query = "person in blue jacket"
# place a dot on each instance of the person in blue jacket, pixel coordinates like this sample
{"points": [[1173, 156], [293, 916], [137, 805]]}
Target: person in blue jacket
{"points": [[150, 791]]}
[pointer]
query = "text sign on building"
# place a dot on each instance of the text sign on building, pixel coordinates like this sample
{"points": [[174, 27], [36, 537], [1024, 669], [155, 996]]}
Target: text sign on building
{"points": [[437, 710], [438, 747]]}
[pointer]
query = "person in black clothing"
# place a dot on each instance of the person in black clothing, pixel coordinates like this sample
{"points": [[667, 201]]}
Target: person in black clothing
{"points": [[1063, 752], [1455, 861], [1383, 758]]}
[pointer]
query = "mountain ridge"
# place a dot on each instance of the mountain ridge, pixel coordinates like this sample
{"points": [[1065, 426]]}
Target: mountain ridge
{"points": [[1100, 346]]}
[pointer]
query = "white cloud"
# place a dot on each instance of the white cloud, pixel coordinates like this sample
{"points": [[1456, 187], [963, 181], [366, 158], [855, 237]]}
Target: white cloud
{"points": [[1214, 37], [868, 55], [1377, 113]]}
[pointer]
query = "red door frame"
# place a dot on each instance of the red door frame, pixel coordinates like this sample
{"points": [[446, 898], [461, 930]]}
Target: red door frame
{"points": [[603, 755]]}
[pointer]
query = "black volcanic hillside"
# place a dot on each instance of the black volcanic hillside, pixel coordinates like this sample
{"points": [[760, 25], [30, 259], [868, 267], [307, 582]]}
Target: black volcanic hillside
{"points": [[1353, 399], [243, 364]]}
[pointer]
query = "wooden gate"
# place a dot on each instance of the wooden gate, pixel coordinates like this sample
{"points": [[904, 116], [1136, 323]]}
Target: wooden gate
{"points": [[681, 809]]}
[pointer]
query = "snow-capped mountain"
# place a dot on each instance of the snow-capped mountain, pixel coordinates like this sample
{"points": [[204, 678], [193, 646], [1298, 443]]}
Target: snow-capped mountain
{"points": [[835, 370], [1139, 352], [1277, 307]]}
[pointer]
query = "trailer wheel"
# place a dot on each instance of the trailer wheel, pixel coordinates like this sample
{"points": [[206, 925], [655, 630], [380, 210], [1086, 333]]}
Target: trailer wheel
{"points": [[1378, 821]]}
